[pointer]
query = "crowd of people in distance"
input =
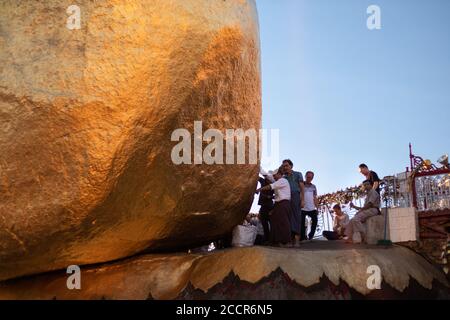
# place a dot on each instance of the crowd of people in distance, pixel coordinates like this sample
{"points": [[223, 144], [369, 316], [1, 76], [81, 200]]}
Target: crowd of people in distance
{"points": [[286, 199]]}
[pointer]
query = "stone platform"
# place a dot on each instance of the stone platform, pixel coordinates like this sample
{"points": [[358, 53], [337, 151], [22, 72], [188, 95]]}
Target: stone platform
{"points": [[375, 229], [317, 270]]}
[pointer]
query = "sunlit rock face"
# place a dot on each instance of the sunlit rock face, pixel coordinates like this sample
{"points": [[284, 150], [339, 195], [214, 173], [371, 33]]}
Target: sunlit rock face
{"points": [[313, 272], [86, 118]]}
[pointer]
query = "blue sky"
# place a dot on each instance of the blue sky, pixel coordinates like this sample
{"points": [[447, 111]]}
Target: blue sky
{"points": [[342, 94]]}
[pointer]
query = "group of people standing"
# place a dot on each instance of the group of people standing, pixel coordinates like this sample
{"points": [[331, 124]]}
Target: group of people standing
{"points": [[286, 199], [295, 198]]}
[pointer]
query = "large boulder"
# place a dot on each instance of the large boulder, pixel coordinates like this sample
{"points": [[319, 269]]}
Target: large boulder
{"points": [[86, 118]]}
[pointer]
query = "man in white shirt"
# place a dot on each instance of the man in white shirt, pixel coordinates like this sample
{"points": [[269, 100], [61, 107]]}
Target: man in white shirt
{"points": [[309, 208], [280, 230]]}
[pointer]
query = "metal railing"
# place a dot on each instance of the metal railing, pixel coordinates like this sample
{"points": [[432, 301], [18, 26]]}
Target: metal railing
{"points": [[432, 192]]}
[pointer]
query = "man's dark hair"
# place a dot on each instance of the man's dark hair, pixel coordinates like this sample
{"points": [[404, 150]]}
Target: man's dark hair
{"points": [[280, 170], [337, 205], [289, 162], [363, 165], [309, 172]]}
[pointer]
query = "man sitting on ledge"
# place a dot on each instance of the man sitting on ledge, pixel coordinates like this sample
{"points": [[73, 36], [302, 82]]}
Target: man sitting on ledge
{"points": [[340, 221], [355, 229]]}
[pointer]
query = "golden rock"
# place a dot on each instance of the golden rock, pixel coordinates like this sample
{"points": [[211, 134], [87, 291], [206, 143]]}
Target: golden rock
{"points": [[86, 117]]}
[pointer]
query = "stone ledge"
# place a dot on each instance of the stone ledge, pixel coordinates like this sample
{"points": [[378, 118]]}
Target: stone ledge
{"points": [[167, 276]]}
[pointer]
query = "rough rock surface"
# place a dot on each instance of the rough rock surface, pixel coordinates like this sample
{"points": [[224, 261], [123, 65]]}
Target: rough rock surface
{"points": [[187, 275], [86, 118]]}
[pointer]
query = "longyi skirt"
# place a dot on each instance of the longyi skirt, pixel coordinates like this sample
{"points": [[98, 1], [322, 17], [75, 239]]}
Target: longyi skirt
{"points": [[280, 228]]}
